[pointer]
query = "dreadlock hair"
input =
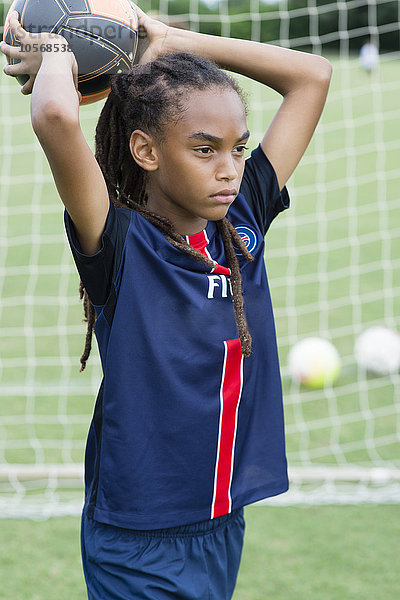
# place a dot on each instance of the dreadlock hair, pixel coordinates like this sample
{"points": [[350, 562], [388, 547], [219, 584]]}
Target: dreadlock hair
{"points": [[148, 98]]}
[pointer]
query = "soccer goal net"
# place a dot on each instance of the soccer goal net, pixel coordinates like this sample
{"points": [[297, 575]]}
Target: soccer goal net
{"points": [[333, 262]]}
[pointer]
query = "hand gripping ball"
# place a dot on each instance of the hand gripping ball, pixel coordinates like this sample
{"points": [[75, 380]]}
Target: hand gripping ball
{"points": [[102, 34]]}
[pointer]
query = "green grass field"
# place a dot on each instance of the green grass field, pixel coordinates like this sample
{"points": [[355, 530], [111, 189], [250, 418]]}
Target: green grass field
{"points": [[333, 267], [334, 553]]}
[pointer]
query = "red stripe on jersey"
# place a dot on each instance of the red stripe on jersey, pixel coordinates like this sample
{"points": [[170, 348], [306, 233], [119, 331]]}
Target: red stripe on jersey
{"points": [[220, 270], [199, 241], [230, 394]]}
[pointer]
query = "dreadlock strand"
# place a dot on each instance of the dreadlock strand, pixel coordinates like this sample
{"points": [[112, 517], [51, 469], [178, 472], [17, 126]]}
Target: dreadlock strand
{"points": [[90, 318], [236, 281]]}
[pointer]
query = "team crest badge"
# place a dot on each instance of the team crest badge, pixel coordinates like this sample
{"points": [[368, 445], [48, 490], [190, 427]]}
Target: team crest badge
{"points": [[249, 237]]}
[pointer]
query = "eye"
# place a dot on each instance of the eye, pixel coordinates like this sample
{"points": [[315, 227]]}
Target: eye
{"points": [[204, 150], [241, 149]]}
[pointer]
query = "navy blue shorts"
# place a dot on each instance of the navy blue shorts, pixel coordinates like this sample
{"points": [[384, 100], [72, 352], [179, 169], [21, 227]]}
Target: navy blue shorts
{"points": [[190, 562]]}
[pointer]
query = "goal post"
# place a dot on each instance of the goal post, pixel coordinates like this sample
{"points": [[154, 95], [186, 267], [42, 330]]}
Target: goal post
{"points": [[333, 262]]}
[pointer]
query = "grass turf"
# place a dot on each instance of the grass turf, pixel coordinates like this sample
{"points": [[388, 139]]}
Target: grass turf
{"points": [[296, 553]]}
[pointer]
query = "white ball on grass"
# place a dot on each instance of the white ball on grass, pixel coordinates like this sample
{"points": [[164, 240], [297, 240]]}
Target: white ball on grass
{"points": [[377, 350], [314, 362]]}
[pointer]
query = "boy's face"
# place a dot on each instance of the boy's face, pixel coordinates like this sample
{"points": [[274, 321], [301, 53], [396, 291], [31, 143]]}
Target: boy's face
{"points": [[201, 161]]}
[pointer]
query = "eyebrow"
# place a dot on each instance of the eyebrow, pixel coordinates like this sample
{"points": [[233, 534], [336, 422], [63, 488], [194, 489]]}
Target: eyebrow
{"points": [[203, 136]]}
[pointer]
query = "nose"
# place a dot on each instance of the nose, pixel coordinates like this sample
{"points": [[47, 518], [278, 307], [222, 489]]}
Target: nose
{"points": [[226, 168]]}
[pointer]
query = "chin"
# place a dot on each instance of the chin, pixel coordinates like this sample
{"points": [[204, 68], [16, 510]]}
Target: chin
{"points": [[218, 214]]}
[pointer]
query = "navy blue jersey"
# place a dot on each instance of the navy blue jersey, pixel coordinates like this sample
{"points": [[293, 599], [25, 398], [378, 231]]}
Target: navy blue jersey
{"points": [[185, 428]]}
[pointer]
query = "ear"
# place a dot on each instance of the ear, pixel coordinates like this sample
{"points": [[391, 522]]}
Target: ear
{"points": [[143, 150]]}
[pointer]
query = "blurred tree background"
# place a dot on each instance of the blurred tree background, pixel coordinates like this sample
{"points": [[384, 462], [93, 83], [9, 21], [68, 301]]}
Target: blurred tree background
{"points": [[297, 20], [263, 21]]}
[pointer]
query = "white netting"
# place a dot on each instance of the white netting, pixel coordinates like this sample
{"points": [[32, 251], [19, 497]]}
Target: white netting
{"points": [[333, 262]]}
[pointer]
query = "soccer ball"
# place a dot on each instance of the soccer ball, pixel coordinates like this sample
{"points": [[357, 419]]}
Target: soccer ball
{"points": [[102, 34], [377, 350], [314, 362]]}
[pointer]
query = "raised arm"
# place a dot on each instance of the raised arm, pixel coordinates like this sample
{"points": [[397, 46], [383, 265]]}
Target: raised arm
{"points": [[302, 79], [55, 120]]}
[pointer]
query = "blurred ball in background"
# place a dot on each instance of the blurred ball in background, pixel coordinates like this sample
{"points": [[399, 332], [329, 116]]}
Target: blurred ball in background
{"points": [[377, 350], [314, 362]]}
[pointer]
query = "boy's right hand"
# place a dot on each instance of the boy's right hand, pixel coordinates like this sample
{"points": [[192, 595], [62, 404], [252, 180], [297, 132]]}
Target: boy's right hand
{"points": [[30, 53]]}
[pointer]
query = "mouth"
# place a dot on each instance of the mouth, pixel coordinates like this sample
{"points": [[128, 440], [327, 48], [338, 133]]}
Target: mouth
{"points": [[224, 196]]}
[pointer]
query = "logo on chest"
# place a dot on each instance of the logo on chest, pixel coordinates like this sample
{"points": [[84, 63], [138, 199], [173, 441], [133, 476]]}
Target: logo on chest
{"points": [[249, 238]]}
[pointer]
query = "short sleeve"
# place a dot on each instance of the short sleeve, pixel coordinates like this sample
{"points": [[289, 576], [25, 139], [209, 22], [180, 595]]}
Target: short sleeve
{"points": [[98, 271], [261, 190]]}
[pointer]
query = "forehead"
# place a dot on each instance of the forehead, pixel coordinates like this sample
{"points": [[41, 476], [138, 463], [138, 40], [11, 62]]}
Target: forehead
{"points": [[219, 112]]}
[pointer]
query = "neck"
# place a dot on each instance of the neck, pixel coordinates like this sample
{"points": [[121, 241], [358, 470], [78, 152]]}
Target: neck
{"points": [[182, 221]]}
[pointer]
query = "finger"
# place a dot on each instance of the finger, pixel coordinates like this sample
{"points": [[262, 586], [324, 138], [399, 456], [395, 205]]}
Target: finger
{"points": [[10, 51], [139, 11], [15, 70], [16, 26], [28, 86], [75, 72], [75, 75], [76, 84], [142, 17]]}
